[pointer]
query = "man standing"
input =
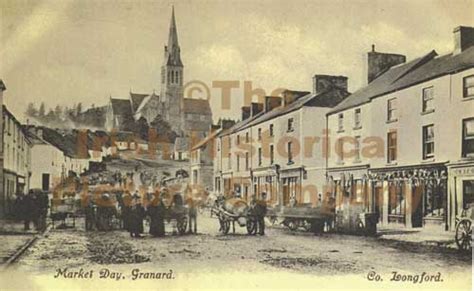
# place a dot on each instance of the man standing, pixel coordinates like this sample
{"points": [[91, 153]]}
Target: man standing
{"points": [[136, 217], [261, 211], [192, 215]]}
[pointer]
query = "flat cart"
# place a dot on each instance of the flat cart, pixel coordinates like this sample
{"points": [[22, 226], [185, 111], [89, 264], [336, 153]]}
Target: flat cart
{"points": [[234, 210], [305, 217], [463, 234], [176, 210]]}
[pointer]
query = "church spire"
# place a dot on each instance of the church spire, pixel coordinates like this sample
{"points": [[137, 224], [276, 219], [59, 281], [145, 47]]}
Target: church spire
{"points": [[173, 54], [173, 35]]}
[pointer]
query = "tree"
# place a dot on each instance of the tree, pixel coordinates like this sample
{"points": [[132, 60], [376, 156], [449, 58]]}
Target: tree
{"points": [[163, 128], [42, 110], [58, 111], [31, 110]]}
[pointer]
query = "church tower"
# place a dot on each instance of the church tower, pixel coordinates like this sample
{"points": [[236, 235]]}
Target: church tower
{"points": [[172, 79]]}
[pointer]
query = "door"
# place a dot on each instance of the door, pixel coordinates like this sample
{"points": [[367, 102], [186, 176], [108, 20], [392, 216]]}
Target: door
{"points": [[417, 206], [378, 200], [45, 182]]}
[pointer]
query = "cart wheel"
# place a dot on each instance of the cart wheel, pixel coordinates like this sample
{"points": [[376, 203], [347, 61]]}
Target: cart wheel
{"points": [[464, 235], [182, 223], [225, 225], [251, 226]]}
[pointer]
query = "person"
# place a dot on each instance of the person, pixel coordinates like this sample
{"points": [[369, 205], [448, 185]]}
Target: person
{"points": [[261, 211], [156, 211], [42, 205], [192, 215], [125, 209], [90, 214], [30, 211], [136, 217]]}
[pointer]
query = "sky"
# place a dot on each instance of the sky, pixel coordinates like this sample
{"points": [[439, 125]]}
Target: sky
{"points": [[64, 52]]}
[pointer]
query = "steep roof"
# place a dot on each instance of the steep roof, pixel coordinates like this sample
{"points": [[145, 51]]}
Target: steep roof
{"points": [[146, 100], [197, 106], [121, 106], [402, 76], [137, 99], [67, 143]]}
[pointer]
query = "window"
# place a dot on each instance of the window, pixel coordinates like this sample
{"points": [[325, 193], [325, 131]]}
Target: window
{"points": [[392, 109], [246, 161], [290, 154], [290, 124], [428, 97], [468, 137], [238, 162], [172, 77], [246, 137], [357, 118], [238, 140], [271, 155], [468, 86], [468, 193], [271, 129], [357, 149], [391, 146], [340, 122], [340, 150], [259, 134], [428, 141], [229, 162], [259, 156]]}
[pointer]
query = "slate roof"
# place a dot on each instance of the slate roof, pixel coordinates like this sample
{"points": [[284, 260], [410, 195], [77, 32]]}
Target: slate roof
{"points": [[327, 98], [145, 101], [67, 143], [197, 106], [121, 106], [137, 99], [402, 76]]}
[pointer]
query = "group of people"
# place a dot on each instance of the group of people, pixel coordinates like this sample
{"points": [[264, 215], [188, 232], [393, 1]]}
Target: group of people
{"points": [[32, 208], [134, 212], [258, 208]]}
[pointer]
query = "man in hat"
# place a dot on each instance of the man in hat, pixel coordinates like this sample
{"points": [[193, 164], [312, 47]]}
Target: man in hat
{"points": [[137, 213], [261, 211]]}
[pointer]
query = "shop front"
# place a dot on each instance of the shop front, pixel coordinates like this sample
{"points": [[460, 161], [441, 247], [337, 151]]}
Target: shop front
{"points": [[410, 196], [265, 180], [461, 189]]}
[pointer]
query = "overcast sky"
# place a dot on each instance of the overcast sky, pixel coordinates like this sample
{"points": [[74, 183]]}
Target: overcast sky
{"points": [[63, 52]]}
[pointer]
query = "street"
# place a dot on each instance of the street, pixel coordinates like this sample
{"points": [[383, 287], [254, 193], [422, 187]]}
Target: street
{"points": [[279, 249]]}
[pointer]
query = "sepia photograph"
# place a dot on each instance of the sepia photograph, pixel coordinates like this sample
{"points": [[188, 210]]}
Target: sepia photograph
{"points": [[236, 144]]}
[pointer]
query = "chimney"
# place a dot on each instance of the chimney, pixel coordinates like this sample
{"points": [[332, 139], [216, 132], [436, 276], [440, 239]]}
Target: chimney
{"points": [[227, 123], [289, 96], [272, 102], [463, 38], [245, 112], [379, 63], [323, 83], [255, 108]]}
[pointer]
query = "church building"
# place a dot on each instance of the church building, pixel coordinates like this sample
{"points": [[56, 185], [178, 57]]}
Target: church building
{"points": [[185, 115]]}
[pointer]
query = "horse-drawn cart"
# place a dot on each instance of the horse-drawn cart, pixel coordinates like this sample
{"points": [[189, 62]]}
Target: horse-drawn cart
{"points": [[234, 210], [463, 234]]}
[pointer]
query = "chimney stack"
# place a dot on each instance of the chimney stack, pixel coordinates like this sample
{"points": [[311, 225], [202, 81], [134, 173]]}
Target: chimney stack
{"points": [[245, 112], [463, 38], [323, 83], [255, 108], [272, 102], [379, 63], [227, 123], [289, 96]]}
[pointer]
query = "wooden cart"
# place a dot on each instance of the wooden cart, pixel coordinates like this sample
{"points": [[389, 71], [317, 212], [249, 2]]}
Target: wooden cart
{"points": [[463, 234]]}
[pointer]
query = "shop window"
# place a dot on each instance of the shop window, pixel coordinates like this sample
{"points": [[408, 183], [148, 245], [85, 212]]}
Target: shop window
{"points": [[468, 137], [468, 193], [435, 196], [396, 203]]}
